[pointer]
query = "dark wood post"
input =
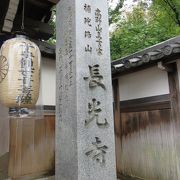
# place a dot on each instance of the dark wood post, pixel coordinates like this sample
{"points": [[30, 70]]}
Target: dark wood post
{"points": [[174, 91], [117, 123]]}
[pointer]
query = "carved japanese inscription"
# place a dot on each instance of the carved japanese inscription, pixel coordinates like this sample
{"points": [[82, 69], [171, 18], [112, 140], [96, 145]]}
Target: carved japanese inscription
{"points": [[98, 20], [85, 148], [87, 8], [94, 111], [65, 66], [88, 24], [87, 34], [88, 48], [97, 151], [95, 78]]}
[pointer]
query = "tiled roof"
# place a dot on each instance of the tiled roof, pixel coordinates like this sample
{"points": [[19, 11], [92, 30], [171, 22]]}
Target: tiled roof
{"points": [[151, 55]]}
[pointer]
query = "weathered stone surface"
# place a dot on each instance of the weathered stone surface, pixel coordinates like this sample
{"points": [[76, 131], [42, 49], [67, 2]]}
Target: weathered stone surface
{"points": [[85, 148]]}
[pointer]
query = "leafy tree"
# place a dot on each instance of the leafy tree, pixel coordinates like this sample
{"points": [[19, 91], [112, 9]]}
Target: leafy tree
{"points": [[144, 27], [52, 22], [114, 13], [172, 7]]}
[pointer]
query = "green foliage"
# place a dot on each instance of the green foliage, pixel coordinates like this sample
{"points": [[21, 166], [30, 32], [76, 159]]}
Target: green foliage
{"points": [[141, 28], [52, 22], [171, 7], [114, 14]]}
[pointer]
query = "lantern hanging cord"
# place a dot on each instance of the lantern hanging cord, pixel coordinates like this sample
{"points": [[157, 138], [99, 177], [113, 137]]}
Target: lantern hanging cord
{"points": [[22, 25]]}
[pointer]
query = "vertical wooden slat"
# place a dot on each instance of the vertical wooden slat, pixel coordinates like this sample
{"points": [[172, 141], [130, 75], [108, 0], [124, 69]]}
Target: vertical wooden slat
{"points": [[12, 148], [173, 79], [50, 142], [4, 160], [40, 147], [15, 147], [31, 147], [27, 164], [174, 91], [147, 150], [4, 130], [4, 141], [117, 124]]}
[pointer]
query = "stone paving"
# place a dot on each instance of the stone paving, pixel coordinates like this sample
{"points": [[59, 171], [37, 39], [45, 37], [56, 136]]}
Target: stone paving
{"points": [[52, 178]]}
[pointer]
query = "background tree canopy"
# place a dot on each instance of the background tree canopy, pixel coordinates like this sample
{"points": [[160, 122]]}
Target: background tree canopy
{"points": [[144, 26], [149, 23]]}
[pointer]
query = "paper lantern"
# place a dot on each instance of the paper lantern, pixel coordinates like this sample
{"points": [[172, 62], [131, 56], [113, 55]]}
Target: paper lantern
{"points": [[19, 72]]}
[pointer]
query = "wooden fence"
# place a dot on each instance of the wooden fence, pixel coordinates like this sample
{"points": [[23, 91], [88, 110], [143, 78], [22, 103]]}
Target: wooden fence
{"points": [[30, 151], [147, 131]]}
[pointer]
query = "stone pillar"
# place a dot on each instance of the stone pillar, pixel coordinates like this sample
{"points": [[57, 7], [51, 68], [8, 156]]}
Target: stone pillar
{"points": [[85, 148]]}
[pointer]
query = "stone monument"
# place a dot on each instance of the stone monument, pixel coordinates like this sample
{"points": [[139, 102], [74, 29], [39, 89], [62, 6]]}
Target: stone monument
{"points": [[85, 145]]}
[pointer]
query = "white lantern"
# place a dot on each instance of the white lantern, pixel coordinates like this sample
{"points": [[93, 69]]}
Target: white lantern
{"points": [[20, 73]]}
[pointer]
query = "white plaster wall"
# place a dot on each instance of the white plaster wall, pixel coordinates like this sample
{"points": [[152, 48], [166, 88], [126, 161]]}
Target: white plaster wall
{"points": [[144, 83], [48, 84]]}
